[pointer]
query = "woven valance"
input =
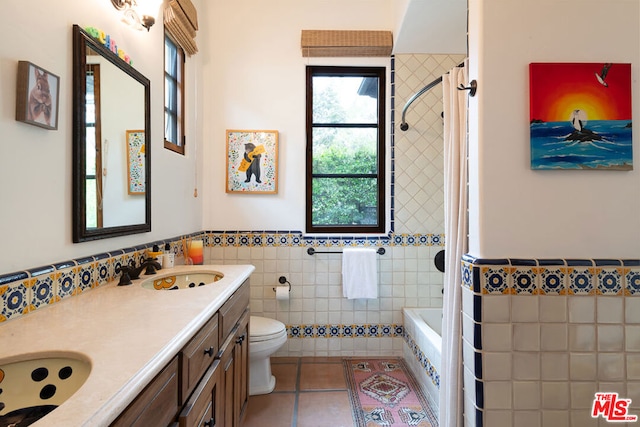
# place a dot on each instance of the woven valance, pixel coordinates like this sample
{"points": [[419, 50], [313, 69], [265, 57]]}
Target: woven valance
{"points": [[181, 22], [336, 43]]}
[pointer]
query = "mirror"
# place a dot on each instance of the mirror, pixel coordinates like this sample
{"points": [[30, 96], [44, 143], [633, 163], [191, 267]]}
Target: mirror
{"points": [[111, 140]]}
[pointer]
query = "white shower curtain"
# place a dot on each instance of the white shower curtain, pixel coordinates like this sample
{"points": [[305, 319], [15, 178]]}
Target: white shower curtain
{"points": [[455, 199]]}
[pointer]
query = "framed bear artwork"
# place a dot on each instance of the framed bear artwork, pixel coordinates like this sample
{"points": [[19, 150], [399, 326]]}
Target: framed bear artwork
{"points": [[252, 161]]}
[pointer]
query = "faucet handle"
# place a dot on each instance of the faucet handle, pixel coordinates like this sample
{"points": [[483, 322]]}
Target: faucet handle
{"points": [[151, 265], [125, 279]]}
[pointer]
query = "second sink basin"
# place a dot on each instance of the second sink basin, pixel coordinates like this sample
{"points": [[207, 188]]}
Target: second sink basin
{"points": [[33, 387], [169, 282]]}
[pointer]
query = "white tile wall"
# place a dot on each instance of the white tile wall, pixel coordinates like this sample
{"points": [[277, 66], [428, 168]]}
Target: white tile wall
{"points": [[556, 352], [316, 293], [419, 161]]}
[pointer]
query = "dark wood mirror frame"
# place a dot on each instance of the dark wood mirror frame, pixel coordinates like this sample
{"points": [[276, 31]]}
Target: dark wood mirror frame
{"points": [[81, 41]]}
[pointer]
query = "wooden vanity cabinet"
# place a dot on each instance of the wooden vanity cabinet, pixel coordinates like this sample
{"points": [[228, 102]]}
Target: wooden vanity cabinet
{"points": [[158, 403], [241, 379], [235, 372], [204, 408], [206, 384], [198, 354]]}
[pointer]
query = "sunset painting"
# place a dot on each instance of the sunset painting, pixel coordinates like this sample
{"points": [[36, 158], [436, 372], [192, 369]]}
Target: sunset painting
{"points": [[580, 116]]}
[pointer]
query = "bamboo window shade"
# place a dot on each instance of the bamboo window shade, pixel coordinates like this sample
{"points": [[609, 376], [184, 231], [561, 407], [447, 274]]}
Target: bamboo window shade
{"points": [[350, 43], [181, 22]]}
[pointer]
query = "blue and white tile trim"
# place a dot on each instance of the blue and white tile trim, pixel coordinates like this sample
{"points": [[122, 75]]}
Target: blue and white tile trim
{"points": [[25, 291], [423, 360], [551, 276], [541, 336], [344, 331]]}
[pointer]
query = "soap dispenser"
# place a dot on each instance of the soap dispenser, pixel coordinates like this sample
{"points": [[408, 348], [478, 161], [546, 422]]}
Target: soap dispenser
{"points": [[168, 258], [155, 253]]}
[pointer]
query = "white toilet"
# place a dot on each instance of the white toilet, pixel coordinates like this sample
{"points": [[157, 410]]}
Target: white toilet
{"points": [[266, 336]]}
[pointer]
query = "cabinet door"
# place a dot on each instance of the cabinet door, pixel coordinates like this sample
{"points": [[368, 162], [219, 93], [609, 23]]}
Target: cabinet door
{"points": [[202, 409], [157, 405], [241, 377], [227, 363]]}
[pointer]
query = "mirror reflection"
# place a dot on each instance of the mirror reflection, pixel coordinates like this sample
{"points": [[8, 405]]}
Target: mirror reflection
{"points": [[111, 134]]}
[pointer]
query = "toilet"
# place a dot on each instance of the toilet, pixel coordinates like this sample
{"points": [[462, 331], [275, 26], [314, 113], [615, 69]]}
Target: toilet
{"points": [[266, 336]]}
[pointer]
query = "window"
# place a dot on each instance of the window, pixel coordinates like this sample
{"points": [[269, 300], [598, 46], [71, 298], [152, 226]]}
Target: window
{"points": [[345, 150], [173, 96]]}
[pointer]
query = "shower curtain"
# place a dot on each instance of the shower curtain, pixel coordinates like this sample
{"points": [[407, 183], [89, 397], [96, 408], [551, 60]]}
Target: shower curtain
{"points": [[455, 195]]}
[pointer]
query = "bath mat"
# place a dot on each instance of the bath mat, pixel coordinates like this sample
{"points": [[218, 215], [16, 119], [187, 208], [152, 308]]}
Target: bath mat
{"points": [[383, 392]]}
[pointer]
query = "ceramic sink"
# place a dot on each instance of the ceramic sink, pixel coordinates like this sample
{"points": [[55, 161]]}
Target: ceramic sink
{"points": [[176, 281], [32, 387]]}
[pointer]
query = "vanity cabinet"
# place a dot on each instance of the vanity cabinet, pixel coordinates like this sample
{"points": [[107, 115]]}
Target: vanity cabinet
{"points": [[207, 383], [204, 407], [198, 354], [234, 356], [158, 403], [235, 362], [242, 377]]}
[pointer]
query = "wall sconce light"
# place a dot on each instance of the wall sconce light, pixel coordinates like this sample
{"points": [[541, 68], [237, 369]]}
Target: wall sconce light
{"points": [[138, 13]]}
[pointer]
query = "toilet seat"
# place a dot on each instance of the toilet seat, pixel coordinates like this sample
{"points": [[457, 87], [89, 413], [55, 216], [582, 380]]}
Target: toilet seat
{"points": [[265, 329]]}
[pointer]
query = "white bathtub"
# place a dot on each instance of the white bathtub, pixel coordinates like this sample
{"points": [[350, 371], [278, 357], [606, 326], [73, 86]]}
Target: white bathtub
{"points": [[422, 348]]}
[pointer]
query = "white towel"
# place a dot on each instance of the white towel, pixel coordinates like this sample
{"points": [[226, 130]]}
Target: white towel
{"points": [[359, 273]]}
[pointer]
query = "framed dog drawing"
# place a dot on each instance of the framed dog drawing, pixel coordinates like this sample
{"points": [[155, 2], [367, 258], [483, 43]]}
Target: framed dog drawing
{"points": [[37, 94]]}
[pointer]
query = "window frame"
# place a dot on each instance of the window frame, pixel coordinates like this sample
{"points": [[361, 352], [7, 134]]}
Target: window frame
{"points": [[179, 80], [378, 72]]}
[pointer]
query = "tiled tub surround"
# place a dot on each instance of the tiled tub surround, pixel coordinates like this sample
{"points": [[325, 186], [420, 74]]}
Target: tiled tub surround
{"points": [[422, 349], [319, 320], [541, 337]]}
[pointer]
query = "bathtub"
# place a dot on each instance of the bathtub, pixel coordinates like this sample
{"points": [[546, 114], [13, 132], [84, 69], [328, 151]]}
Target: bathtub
{"points": [[422, 347]]}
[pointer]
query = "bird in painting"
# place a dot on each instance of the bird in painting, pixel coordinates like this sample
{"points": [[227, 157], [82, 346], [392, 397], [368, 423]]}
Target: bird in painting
{"points": [[603, 74]]}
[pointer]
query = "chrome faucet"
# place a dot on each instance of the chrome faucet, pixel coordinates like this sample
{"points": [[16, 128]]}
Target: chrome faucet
{"points": [[131, 272]]}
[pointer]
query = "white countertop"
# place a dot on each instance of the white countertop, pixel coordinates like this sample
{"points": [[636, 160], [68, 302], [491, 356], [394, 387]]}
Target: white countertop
{"points": [[128, 333]]}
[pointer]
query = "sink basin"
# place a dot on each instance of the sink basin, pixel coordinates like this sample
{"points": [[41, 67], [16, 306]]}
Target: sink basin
{"points": [[172, 282], [33, 387]]}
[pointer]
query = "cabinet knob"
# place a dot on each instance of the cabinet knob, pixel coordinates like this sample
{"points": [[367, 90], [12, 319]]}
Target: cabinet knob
{"points": [[209, 423], [240, 339], [209, 351]]}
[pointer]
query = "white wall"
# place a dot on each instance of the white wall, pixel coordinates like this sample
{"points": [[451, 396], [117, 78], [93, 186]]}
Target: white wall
{"points": [[35, 164], [518, 212], [123, 107], [255, 79]]}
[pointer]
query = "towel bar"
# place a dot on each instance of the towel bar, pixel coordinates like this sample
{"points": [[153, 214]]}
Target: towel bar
{"points": [[312, 251]]}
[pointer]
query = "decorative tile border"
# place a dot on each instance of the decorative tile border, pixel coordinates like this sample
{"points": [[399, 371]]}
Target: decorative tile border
{"points": [[551, 276], [25, 291], [299, 239], [344, 331], [424, 361]]}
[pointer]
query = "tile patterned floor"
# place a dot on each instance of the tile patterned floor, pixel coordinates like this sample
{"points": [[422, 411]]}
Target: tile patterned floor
{"points": [[310, 392]]}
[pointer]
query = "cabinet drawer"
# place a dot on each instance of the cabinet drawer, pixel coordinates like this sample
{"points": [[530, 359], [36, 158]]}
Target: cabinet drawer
{"points": [[201, 408], [198, 354], [231, 311], [157, 405]]}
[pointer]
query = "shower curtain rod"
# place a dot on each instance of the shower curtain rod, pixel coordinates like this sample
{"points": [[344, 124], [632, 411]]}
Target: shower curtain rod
{"points": [[403, 125]]}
